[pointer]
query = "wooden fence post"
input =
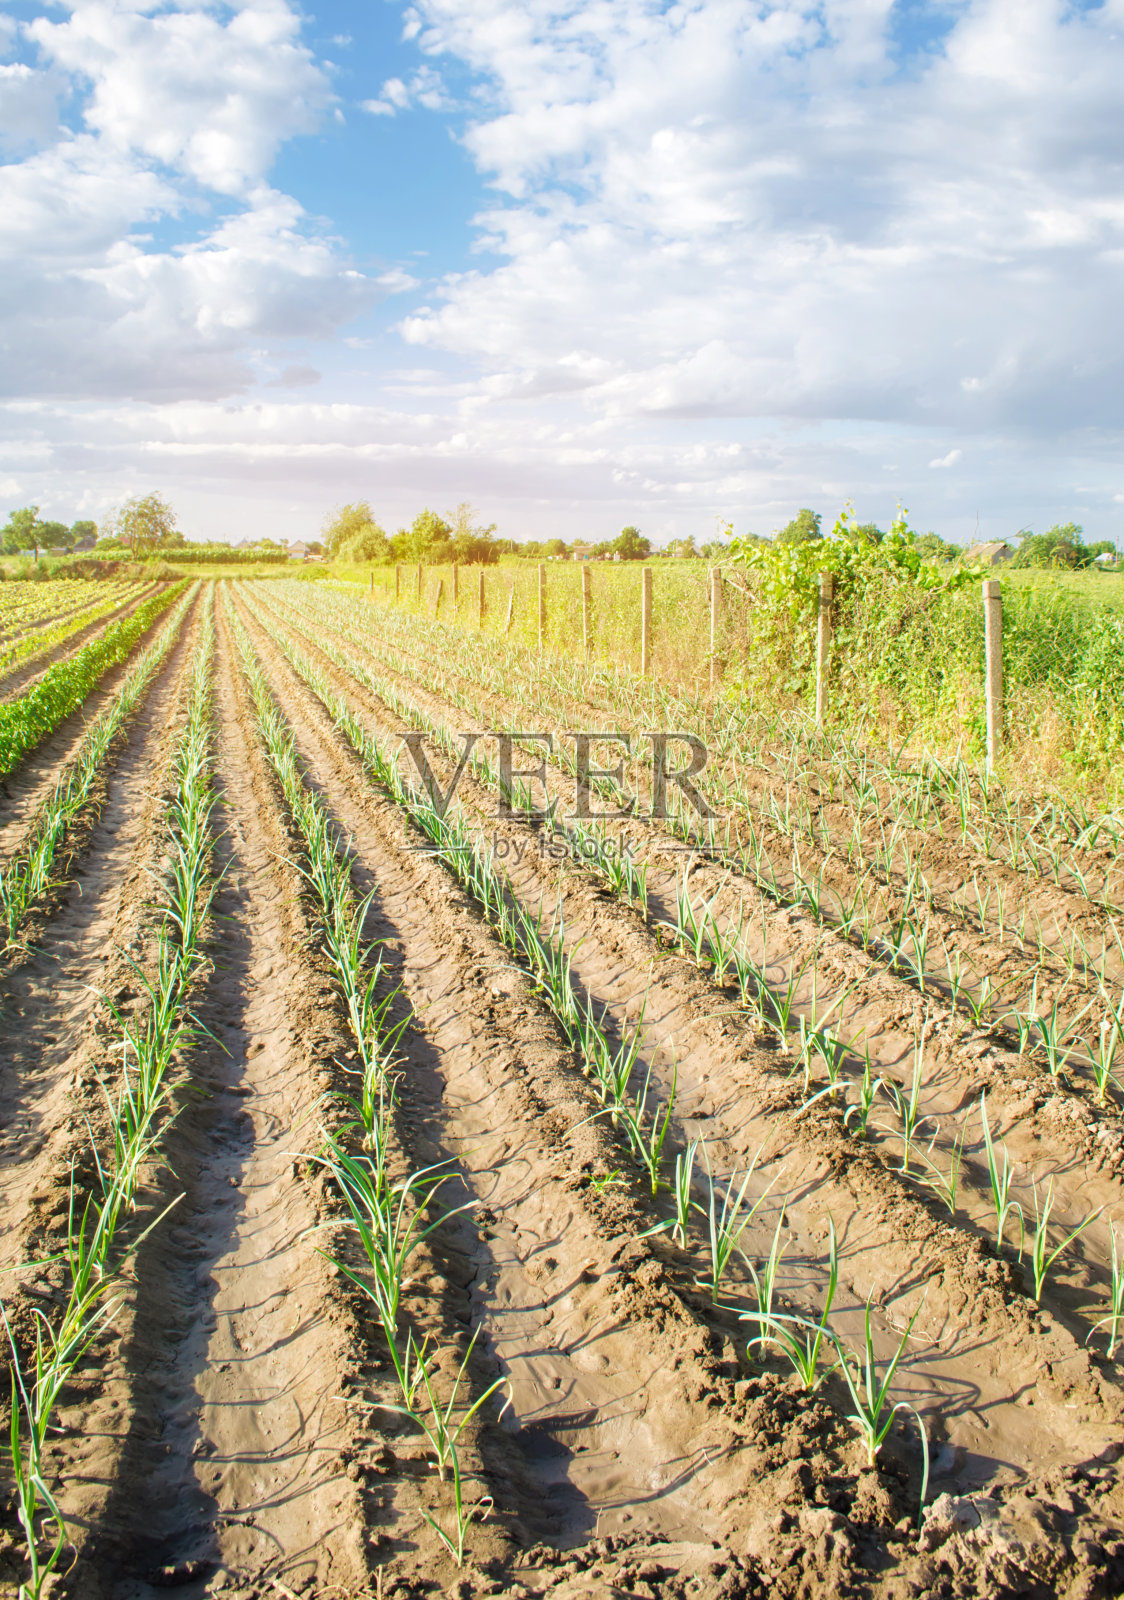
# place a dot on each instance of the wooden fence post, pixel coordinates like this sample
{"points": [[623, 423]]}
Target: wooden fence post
{"points": [[993, 665], [715, 615], [510, 605], [823, 643], [437, 596], [480, 600], [397, 583], [456, 587], [645, 621], [542, 605], [587, 608], [371, 590]]}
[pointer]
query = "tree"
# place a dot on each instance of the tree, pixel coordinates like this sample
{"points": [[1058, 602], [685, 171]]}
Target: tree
{"points": [[631, 545], [53, 535], [143, 523], [804, 526], [471, 541], [342, 524], [369, 544], [1060, 546], [934, 548], [83, 530], [426, 539], [21, 532]]}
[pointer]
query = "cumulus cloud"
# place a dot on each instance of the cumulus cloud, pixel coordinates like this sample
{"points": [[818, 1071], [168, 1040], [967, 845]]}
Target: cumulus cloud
{"points": [[949, 460], [181, 112], [424, 89], [28, 104], [725, 209], [210, 97]]}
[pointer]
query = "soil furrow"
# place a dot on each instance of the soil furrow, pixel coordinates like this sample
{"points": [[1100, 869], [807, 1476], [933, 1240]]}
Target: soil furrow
{"points": [[232, 1471], [893, 1247], [51, 995]]}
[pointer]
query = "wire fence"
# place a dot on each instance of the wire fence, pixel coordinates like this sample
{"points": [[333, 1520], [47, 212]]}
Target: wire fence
{"points": [[921, 667]]}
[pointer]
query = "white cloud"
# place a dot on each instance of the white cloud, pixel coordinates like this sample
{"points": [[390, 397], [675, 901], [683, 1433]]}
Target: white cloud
{"points": [[425, 89], [28, 105], [184, 109], [729, 209], [949, 460], [212, 99]]}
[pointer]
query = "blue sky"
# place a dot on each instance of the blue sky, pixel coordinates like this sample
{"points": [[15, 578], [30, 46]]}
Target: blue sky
{"points": [[578, 262]]}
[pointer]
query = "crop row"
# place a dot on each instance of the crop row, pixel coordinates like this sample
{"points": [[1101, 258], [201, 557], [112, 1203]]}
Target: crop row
{"points": [[31, 645], [31, 870], [723, 1216], [24, 722], [812, 1044], [101, 1239], [1049, 1027], [388, 1213], [958, 799]]}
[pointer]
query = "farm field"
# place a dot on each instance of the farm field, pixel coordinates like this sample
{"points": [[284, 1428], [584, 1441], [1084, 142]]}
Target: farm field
{"points": [[410, 1195]]}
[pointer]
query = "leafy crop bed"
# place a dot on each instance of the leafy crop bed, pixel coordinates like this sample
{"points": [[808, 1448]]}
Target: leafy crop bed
{"points": [[408, 1198]]}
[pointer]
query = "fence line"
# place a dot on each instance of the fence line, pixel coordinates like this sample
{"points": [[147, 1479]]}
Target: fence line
{"points": [[546, 608]]}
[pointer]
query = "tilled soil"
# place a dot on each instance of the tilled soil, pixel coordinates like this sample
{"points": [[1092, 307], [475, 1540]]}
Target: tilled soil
{"points": [[235, 1434]]}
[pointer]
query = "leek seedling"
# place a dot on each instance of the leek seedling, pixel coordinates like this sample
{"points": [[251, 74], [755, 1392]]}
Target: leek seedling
{"points": [[764, 1285], [946, 1184], [801, 1347], [727, 1223], [1114, 1321], [1103, 1058], [1042, 1257], [908, 1110], [872, 1415], [868, 1091], [1000, 1182], [681, 1195]]}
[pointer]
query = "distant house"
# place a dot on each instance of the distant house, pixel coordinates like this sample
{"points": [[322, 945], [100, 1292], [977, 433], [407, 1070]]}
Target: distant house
{"points": [[582, 552], [87, 542], [1106, 558], [682, 548], [989, 555], [299, 551]]}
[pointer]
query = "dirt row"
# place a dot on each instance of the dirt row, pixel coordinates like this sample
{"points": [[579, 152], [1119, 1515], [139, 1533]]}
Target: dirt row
{"points": [[1049, 1134], [305, 715], [234, 1437]]}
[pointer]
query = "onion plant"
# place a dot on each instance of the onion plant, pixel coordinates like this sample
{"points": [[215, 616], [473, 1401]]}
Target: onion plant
{"points": [[139, 1116], [798, 1338], [873, 1414], [28, 875], [727, 1219], [999, 1178], [1042, 1258], [1114, 1321]]}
